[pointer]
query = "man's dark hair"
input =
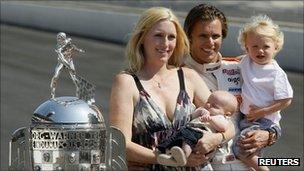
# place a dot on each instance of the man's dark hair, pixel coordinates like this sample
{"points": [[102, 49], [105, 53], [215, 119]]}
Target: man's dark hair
{"points": [[204, 12]]}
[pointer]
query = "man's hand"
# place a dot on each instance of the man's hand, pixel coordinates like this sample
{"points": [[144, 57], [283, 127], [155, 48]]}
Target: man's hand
{"points": [[254, 140]]}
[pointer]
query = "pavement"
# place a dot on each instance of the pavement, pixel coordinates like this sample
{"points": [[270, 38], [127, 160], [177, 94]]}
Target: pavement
{"points": [[288, 13]]}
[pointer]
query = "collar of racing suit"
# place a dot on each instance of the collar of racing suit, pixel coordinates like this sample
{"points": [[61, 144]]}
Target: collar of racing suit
{"points": [[204, 68]]}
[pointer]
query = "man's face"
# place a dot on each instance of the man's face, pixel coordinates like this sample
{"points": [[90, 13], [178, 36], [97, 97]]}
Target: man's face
{"points": [[206, 40]]}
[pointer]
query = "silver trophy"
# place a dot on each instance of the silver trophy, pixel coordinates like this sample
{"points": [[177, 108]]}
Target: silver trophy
{"points": [[68, 133]]}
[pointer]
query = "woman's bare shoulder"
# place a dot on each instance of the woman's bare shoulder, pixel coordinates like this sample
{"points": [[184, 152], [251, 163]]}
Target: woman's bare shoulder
{"points": [[123, 77], [124, 81], [124, 86]]}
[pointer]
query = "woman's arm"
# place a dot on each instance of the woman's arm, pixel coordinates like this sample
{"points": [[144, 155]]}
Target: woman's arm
{"points": [[124, 95], [212, 140]]}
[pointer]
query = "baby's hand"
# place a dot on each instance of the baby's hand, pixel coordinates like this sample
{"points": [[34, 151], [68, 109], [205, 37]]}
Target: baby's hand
{"points": [[205, 118], [204, 115], [255, 113], [202, 111], [199, 112]]}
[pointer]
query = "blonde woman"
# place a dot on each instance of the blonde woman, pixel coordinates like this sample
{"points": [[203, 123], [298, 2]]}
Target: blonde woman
{"points": [[154, 96]]}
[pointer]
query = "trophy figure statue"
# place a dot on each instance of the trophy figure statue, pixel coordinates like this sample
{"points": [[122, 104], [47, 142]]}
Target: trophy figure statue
{"points": [[68, 133], [65, 50]]}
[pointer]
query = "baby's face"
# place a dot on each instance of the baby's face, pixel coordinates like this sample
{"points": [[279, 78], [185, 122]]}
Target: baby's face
{"points": [[260, 49], [214, 106]]}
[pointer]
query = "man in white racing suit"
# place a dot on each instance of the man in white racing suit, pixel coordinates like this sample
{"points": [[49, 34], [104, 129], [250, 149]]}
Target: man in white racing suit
{"points": [[222, 75], [206, 27]]}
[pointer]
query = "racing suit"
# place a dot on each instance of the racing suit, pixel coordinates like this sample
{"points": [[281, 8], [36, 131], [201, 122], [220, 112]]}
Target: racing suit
{"points": [[223, 75]]}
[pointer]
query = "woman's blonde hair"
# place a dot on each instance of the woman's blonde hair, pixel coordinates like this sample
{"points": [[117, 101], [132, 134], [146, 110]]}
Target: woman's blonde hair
{"points": [[264, 26], [134, 49]]}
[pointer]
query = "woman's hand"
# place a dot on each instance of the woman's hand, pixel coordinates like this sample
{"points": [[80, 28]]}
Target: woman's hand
{"points": [[210, 141], [207, 143], [254, 140], [196, 159]]}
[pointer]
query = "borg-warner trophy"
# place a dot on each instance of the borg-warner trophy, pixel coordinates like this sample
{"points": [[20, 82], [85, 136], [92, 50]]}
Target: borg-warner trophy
{"points": [[68, 133]]}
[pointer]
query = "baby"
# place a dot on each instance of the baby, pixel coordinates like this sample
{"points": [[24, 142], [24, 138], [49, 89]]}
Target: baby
{"points": [[176, 149]]}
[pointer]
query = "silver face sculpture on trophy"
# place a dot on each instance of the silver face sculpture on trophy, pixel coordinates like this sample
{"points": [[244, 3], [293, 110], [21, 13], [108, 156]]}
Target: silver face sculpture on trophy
{"points": [[68, 133]]}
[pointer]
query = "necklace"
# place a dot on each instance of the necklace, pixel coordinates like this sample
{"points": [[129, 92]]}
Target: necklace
{"points": [[157, 81], [158, 85]]}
